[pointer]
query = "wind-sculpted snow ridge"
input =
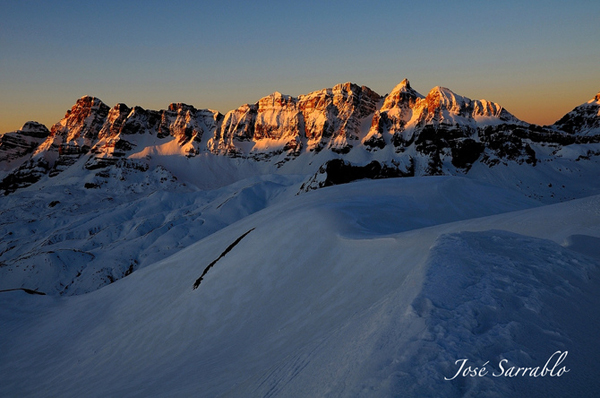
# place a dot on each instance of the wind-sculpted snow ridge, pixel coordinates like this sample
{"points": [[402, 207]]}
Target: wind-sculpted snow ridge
{"points": [[370, 289], [505, 307]]}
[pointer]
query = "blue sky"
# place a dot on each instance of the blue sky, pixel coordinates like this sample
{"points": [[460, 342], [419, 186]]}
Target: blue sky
{"points": [[538, 59]]}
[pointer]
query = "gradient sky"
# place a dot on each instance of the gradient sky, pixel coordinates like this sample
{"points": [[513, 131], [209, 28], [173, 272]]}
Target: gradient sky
{"points": [[538, 59]]}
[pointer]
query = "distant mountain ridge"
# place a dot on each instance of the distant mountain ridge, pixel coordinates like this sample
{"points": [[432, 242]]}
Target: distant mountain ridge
{"points": [[439, 133]]}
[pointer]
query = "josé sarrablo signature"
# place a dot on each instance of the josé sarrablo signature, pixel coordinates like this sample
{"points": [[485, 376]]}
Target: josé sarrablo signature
{"points": [[551, 368]]}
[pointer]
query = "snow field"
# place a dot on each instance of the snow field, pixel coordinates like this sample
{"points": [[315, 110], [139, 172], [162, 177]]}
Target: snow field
{"points": [[368, 289]]}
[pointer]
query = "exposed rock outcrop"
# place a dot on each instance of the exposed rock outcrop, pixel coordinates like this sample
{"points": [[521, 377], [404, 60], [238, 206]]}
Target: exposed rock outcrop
{"points": [[439, 133], [333, 116], [339, 171], [583, 120], [128, 129], [324, 119], [17, 144]]}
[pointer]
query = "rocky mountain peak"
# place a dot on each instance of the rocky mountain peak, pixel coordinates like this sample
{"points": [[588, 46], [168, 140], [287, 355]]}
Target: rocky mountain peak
{"points": [[277, 100], [17, 144], [442, 103], [84, 119], [120, 108], [402, 96], [74, 134], [277, 94], [405, 83], [403, 86], [279, 128], [347, 87], [115, 120], [180, 107], [583, 120], [34, 127], [442, 97], [84, 106]]}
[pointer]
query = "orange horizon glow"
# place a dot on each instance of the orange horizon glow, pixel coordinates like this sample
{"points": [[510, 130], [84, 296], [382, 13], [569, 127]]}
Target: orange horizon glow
{"points": [[538, 61]]}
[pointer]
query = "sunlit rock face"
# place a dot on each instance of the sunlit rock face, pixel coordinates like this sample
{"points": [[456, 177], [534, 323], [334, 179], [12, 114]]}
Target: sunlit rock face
{"points": [[130, 129], [442, 106], [278, 116], [91, 128], [279, 125], [405, 114], [438, 133], [393, 117], [324, 119], [79, 129], [71, 137], [237, 127], [333, 116]]}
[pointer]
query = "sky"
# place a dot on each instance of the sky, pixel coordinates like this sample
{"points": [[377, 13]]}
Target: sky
{"points": [[538, 59]]}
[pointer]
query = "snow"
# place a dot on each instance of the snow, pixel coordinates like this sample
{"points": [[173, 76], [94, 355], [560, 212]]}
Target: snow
{"points": [[270, 145], [167, 147], [68, 239], [369, 289]]}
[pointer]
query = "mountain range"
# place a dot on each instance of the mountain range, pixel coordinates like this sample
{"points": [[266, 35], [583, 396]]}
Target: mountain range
{"points": [[404, 131], [183, 252], [113, 160]]}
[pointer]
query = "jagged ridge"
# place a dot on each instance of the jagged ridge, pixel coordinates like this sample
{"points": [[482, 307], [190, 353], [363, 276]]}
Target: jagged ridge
{"points": [[583, 120], [430, 133]]}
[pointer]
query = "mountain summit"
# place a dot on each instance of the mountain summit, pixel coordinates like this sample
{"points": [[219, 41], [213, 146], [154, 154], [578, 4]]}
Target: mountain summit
{"points": [[440, 133], [583, 120]]}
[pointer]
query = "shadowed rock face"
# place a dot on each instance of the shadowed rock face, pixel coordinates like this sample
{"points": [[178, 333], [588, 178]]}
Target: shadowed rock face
{"points": [[17, 144], [583, 120], [338, 171], [442, 128]]}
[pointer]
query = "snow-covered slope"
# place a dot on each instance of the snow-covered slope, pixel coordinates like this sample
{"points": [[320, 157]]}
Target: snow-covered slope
{"points": [[369, 289], [79, 232]]}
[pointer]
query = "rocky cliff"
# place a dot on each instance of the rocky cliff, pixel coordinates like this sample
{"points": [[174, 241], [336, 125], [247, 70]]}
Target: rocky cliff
{"points": [[439, 133], [583, 120], [18, 144]]}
